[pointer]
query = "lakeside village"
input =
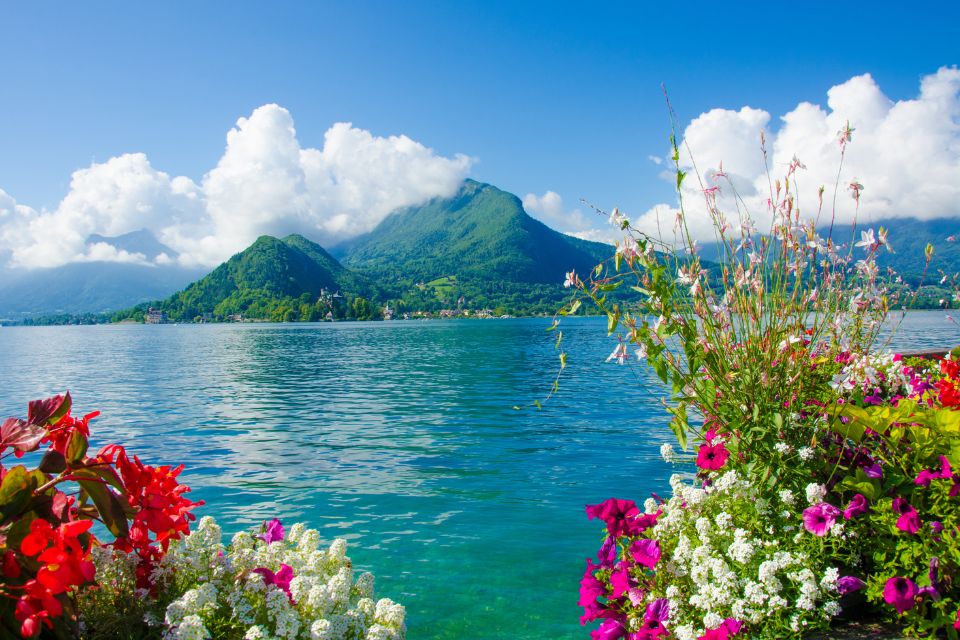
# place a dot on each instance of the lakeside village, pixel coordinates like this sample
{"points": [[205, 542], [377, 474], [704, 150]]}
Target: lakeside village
{"points": [[336, 301]]}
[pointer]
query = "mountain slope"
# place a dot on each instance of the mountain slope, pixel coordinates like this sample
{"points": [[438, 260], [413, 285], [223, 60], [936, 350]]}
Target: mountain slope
{"points": [[86, 287], [480, 234], [270, 274]]}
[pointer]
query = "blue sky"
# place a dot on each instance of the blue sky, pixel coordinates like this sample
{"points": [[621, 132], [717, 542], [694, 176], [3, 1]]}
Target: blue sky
{"points": [[544, 96]]}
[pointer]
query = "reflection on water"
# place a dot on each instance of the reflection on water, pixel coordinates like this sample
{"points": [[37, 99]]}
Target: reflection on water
{"points": [[401, 437]]}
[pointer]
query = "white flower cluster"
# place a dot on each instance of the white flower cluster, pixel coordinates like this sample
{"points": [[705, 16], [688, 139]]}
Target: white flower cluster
{"points": [[875, 371], [285, 589], [727, 554]]}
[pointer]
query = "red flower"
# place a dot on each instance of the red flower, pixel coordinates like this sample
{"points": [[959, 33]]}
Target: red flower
{"points": [[60, 433], [157, 498], [37, 605], [64, 563], [64, 560]]}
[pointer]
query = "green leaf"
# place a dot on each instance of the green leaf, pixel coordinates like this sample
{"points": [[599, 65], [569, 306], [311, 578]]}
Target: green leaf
{"points": [[679, 424], [613, 319], [107, 503], [563, 361], [77, 447], [15, 492]]}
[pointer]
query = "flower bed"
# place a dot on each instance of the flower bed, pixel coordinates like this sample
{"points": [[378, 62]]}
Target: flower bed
{"points": [[821, 473], [152, 577]]}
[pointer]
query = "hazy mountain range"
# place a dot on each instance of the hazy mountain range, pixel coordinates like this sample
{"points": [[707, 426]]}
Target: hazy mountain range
{"points": [[478, 248]]}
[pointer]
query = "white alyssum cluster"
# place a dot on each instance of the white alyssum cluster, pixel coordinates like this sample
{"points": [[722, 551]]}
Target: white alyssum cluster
{"points": [[726, 555], [214, 586]]}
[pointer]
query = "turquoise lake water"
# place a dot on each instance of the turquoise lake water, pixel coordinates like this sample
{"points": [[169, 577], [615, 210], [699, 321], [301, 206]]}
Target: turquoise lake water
{"points": [[400, 437]]}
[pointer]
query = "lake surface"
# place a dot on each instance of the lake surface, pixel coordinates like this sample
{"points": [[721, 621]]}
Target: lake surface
{"points": [[400, 437]]}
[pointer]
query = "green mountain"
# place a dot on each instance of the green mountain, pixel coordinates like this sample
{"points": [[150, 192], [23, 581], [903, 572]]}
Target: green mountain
{"points": [[476, 250], [480, 233], [278, 279]]}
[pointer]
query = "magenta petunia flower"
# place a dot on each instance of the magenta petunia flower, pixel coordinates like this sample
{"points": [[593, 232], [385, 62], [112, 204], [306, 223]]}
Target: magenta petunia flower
{"points": [[900, 593], [712, 456], [273, 531], [909, 520], [620, 579], [819, 518], [656, 614], [607, 554], [849, 584], [729, 628], [858, 505], [620, 515], [924, 477], [609, 629], [956, 625], [590, 589], [281, 578], [646, 552]]}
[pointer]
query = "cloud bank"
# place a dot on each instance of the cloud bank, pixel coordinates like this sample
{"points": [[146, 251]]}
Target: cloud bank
{"points": [[905, 153], [265, 183]]}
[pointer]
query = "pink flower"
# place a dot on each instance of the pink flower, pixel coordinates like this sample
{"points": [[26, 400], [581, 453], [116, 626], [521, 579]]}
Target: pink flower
{"points": [[281, 578], [618, 514], [273, 531], [909, 520], [729, 627], [610, 629], [901, 593], [857, 506], [646, 552], [712, 456], [607, 554], [924, 477], [620, 579], [819, 518], [656, 614], [849, 584], [590, 589], [956, 625]]}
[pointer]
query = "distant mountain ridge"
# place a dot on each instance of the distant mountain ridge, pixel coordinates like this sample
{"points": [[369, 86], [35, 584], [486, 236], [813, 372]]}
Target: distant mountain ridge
{"points": [[142, 242]]}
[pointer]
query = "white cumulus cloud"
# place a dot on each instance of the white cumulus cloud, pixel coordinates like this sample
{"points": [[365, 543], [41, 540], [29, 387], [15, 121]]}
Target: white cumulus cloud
{"points": [[905, 153], [265, 183], [550, 210]]}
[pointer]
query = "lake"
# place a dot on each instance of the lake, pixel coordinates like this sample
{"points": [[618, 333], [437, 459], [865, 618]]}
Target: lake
{"points": [[399, 436]]}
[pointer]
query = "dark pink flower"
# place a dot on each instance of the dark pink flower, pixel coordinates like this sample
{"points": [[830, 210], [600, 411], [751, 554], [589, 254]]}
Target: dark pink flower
{"points": [[857, 506], [620, 515], [590, 589], [849, 584], [609, 629], [819, 518], [924, 477], [281, 578], [273, 531], [620, 579], [607, 554], [901, 593], [656, 614], [727, 629], [712, 456], [956, 625], [909, 520], [646, 552]]}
